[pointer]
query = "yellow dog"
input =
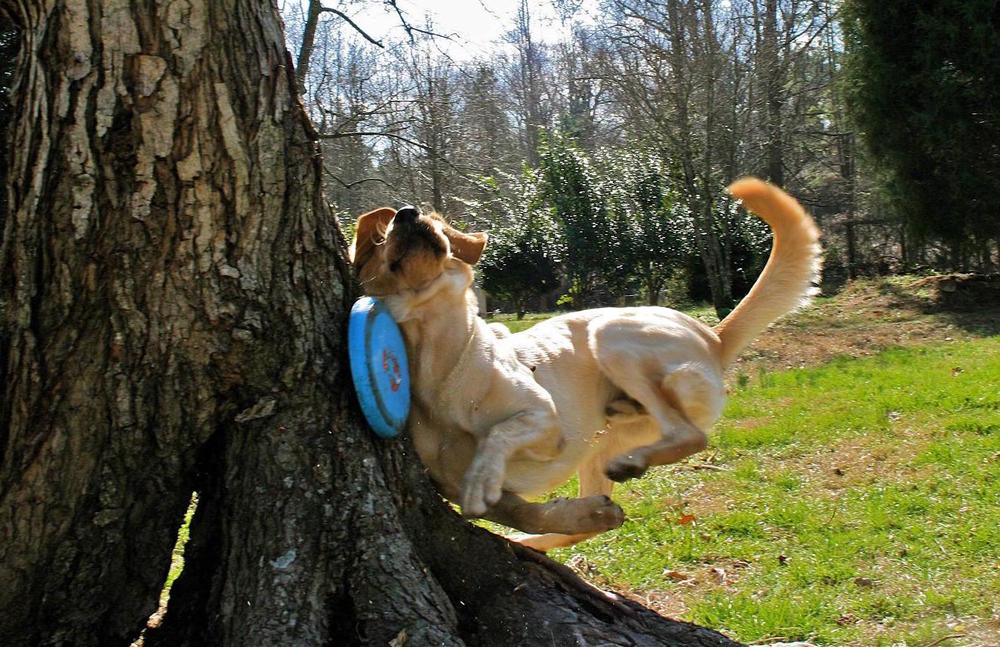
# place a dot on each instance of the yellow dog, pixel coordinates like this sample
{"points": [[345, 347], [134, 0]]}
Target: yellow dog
{"points": [[605, 393]]}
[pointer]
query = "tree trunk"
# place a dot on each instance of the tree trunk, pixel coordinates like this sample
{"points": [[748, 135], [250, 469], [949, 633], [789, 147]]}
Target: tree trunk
{"points": [[852, 254], [175, 295], [530, 85], [698, 187], [772, 70], [653, 284]]}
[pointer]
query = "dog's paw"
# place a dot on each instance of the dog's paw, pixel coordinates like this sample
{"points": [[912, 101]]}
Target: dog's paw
{"points": [[625, 467], [482, 487], [605, 514]]}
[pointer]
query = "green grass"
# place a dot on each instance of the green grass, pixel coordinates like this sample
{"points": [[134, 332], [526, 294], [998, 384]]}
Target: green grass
{"points": [[857, 503], [177, 558], [517, 325], [703, 312]]}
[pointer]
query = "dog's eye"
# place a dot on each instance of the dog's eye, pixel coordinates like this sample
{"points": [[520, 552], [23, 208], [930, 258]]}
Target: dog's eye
{"points": [[394, 266]]}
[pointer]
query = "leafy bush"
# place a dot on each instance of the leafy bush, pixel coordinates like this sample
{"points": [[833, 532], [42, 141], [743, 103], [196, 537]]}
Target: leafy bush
{"points": [[524, 252]]}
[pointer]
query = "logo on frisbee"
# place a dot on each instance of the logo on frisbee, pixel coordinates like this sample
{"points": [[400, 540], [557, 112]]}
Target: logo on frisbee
{"points": [[391, 366]]}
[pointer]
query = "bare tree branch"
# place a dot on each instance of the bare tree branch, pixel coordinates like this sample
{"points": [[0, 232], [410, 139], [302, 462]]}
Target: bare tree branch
{"points": [[410, 29], [353, 24], [348, 185], [378, 133], [316, 9]]}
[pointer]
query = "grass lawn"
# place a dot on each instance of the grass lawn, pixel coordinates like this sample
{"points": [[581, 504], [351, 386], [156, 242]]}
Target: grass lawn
{"points": [[856, 503], [852, 501], [703, 312], [517, 325]]}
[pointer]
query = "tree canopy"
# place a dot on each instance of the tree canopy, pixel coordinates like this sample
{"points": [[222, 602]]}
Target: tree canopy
{"points": [[923, 82]]}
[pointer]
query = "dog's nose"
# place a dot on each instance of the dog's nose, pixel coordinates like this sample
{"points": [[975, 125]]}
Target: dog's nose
{"points": [[407, 214]]}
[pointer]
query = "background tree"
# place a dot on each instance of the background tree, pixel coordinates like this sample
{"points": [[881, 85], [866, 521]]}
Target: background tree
{"points": [[487, 144], [526, 83], [718, 89], [521, 263], [349, 98], [655, 227], [924, 86], [668, 74], [434, 124], [578, 62], [572, 186], [176, 292]]}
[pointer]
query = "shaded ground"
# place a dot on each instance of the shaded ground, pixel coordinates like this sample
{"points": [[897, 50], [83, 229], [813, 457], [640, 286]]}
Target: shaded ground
{"points": [[870, 316]]}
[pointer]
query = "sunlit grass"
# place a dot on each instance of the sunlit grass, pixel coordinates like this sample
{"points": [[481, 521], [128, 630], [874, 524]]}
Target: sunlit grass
{"points": [[856, 503], [517, 325], [702, 312], [177, 558]]}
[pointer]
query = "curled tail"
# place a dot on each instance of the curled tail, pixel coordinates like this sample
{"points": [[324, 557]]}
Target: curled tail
{"points": [[788, 277]]}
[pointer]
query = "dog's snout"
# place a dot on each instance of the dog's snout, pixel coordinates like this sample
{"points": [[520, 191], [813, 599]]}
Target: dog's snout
{"points": [[406, 214], [410, 231]]}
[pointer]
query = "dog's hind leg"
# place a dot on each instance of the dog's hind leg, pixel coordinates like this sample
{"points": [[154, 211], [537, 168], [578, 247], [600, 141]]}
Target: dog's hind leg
{"points": [[665, 403], [593, 485]]}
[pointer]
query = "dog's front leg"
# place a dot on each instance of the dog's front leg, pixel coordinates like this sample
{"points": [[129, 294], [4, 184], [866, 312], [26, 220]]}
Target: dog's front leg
{"points": [[534, 430], [563, 521]]}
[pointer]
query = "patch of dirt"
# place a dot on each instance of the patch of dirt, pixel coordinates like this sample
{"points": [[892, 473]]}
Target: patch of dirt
{"points": [[869, 316], [666, 603]]}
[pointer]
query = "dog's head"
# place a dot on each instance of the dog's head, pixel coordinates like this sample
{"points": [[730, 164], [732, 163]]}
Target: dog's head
{"points": [[396, 252]]}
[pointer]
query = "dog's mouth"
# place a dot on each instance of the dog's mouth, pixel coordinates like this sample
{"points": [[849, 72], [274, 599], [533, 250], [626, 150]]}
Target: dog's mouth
{"points": [[402, 265], [412, 235], [409, 238], [414, 253]]}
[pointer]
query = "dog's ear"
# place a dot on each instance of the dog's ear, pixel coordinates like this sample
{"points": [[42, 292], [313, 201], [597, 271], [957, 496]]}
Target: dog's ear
{"points": [[368, 233], [465, 247]]}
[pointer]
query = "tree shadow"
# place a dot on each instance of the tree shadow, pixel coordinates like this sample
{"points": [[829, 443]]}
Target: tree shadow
{"points": [[969, 301]]}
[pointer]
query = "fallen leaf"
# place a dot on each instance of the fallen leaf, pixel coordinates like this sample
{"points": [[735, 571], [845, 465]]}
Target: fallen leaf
{"points": [[677, 576], [847, 619], [864, 581], [685, 519], [718, 574]]}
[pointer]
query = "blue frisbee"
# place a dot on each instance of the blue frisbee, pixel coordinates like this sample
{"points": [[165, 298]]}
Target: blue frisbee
{"points": [[378, 366]]}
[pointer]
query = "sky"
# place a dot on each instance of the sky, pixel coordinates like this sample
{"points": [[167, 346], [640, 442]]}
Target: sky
{"points": [[475, 26]]}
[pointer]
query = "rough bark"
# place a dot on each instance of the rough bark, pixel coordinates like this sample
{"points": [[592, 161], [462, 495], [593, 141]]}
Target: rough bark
{"points": [[175, 294], [165, 227]]}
